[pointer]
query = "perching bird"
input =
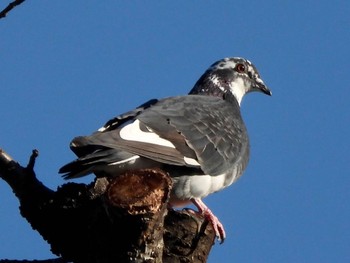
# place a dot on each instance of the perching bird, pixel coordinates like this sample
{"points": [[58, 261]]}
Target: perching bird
{"points": [[200, 139]]}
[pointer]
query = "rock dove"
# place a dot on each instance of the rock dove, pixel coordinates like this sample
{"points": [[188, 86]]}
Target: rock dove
{"points": [[199, 139]]}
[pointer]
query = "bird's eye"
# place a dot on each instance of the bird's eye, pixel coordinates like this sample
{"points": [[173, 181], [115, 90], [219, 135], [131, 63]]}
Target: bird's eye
{"points": [[240, 68]]}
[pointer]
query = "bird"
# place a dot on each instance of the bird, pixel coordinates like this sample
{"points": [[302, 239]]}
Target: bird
{"points": [[199, 139]]}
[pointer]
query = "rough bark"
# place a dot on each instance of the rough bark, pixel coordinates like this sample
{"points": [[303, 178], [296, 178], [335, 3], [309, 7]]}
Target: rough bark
{"points": [[121, 220]]}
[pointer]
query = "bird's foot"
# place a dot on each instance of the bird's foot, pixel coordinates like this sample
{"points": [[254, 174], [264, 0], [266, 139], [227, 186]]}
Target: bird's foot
{"points": [[208, 214]]}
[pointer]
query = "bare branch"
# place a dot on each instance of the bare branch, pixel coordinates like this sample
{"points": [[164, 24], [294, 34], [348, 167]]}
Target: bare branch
{"points": [[31, 163], [10, 6], [124, 219]]}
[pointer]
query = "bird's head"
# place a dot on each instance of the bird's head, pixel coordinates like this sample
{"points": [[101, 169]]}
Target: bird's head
{"points": [[237, 76]]}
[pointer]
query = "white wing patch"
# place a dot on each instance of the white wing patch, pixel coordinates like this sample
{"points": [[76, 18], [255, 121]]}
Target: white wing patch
{"points": [[130, 160], [102, 129], [132, 132], [191, 161]]}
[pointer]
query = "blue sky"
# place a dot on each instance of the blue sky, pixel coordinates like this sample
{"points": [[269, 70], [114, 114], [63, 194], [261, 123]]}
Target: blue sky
{"points": [[67, 67]]}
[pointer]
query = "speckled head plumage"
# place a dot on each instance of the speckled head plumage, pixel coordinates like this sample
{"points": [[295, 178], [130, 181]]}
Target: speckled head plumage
{"points": [[235, 75]]}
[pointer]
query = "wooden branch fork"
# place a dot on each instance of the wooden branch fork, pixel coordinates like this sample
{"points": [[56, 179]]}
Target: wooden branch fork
{"points": [[125, 219]]}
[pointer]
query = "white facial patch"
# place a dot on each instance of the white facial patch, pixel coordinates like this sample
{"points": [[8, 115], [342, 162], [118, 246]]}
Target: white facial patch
{"points": [[132, 132], [238, 89]]}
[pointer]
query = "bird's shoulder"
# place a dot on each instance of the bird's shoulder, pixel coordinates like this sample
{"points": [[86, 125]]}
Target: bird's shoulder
{"points": [[121, 119]]}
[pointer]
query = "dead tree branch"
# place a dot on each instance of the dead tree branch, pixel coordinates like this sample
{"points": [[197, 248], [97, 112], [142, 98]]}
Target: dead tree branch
{"points": [[121, 220], [10, 6]]}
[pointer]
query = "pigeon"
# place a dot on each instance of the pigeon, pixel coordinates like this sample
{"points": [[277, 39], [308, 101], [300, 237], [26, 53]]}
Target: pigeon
{"points": [[199, 139]]}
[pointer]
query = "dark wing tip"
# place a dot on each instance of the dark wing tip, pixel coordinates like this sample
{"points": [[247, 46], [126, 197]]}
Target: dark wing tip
{"points": [[73, 169], [66, 170], [67, 176]]}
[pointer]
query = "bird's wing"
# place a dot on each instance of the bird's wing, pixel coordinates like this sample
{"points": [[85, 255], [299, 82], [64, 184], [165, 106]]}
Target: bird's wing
{"points": [[192, 131], [82, 147], [206, 129]]}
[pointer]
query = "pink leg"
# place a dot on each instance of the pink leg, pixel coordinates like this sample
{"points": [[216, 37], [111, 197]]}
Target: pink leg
{"points": [[208, 214]]}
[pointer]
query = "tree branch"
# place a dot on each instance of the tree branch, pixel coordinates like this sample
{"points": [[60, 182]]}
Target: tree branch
{"points": [[10, 6], [124, 219]]}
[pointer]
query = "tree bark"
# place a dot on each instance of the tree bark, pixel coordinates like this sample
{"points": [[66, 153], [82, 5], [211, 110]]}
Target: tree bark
{"points": [[125, 219]]}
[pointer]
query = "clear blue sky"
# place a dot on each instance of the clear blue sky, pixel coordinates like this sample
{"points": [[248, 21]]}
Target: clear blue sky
{"points": [[68, 66]]}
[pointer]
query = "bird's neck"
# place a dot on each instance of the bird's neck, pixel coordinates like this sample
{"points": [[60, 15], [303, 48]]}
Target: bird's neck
{"points": [[209, 85], [212, 85]]}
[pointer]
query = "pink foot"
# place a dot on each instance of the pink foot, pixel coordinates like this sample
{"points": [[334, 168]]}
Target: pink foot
{"points": [[208, 214]]}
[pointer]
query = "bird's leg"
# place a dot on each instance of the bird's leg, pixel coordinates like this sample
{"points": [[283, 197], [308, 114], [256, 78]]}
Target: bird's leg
{"points": [[208, 214]]}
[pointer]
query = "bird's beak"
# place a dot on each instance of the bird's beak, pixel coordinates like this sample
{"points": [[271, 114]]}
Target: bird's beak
{"points": [[260, 86]]}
